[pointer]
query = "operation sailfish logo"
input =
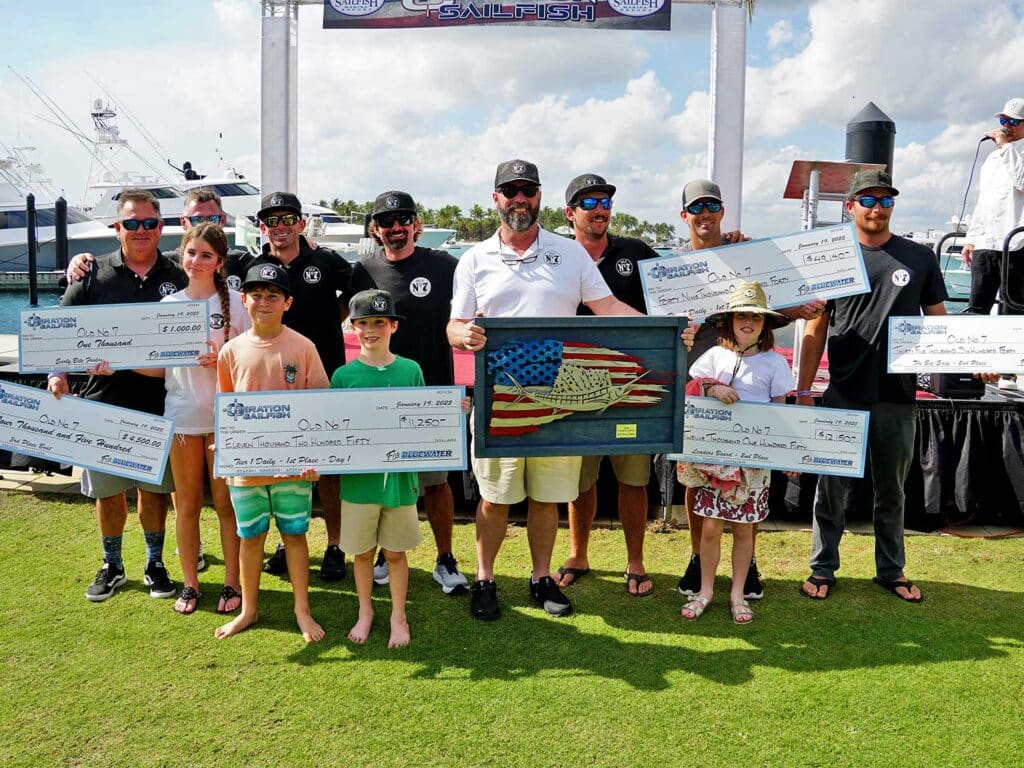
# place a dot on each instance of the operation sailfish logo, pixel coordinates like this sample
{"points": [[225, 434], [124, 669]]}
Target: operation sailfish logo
{"points": [[538, 382]]}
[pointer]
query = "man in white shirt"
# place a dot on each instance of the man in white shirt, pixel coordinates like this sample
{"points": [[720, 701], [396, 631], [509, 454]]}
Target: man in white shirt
{"points": [[523, 271], [1000, 208]]}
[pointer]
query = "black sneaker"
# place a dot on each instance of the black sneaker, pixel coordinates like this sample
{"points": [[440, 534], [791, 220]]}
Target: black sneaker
{"points": [[108, 578], [159, 583], [483, 602], [333, 566], [689, 585], [752, 589], [548, 596], [276, 564]]}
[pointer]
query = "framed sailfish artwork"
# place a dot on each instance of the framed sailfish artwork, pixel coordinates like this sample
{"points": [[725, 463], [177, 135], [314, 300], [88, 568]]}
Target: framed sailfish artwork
{"points": [[579, 386]]}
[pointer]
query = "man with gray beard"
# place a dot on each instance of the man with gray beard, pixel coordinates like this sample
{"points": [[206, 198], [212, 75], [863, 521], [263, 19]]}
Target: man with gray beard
{"points": [[523, 271]]}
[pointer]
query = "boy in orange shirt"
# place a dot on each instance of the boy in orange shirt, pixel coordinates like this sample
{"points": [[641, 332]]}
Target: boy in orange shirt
{"points": [[271, 356]]}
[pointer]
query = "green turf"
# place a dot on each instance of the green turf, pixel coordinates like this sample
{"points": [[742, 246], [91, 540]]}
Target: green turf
{"points": [[860, 680]]}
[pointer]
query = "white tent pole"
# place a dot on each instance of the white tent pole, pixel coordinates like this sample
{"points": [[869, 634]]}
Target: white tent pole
{"points": [[728, 85], [279, 96]]}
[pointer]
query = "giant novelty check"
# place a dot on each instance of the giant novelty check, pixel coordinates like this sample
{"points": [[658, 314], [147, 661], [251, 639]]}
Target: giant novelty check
{"points": [[797, 438], [956, 344], [822, 263], [340, 431], [144, 335], [85, 433]]}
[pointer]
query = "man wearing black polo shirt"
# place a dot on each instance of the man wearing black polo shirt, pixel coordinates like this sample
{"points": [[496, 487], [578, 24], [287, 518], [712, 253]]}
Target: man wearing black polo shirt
{"points": [[138, 272], [317, 277], [905, 280], [420, 281], [588, 206]]}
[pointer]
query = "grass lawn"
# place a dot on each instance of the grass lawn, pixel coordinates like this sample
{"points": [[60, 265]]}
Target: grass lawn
{"points": [[859, 680]]}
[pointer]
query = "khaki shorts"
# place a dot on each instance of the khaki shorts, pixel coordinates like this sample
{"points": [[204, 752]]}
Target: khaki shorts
{"points": [[101, 485], [632, 469], [541, 478], [367, 526]]}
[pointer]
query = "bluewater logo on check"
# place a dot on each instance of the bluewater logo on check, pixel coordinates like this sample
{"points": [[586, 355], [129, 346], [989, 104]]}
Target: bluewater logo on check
{"points": [[35, 321], [238, 410], [19, 401]]}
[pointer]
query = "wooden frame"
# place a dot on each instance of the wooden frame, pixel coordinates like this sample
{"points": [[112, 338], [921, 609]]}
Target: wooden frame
{"points": [[628, 400]]}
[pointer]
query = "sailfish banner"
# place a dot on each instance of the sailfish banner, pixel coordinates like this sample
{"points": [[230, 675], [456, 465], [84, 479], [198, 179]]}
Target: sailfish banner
{"points": [[540, 381], [586, 14]]}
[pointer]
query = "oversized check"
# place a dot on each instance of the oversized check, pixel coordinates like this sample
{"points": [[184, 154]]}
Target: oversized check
{"points": [[956, 344], [822, 263], [798, 438], [340, 431], [143, 335], [85, 433]]}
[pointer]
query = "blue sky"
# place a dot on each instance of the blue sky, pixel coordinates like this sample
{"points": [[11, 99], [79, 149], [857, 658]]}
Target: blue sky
{"points": [[432, 111]]}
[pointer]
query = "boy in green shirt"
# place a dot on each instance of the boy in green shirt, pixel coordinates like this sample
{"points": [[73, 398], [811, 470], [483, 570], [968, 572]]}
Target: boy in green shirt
{"points": [[378, 509]]}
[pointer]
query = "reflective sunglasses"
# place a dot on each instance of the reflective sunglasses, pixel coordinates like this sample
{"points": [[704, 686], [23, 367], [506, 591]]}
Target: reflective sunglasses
{"points": [[511, 190], [387, 221], [1013, 122], [695, 209], [133, 224], [590, 203], [288, 219], [195, 221], [869, 201]]}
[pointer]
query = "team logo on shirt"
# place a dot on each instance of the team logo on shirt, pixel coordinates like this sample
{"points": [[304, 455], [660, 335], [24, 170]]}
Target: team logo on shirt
{"points": [[420, 287], [216, 321], [900, 277], [290, 371], [234, 282], [624, 267], [552, 257], [166, 289], [311, 275]]}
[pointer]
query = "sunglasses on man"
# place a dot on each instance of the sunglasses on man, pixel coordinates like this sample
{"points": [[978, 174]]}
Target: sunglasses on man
{"points": [[1013, 122], [870, 201], [147, 224], [288, 219], [511, 190], [695, 209], [195, 221], [591, 203], [389, 220]]}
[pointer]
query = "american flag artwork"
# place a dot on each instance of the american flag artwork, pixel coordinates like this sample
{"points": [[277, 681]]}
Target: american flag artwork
{"points": [[540, 381]]}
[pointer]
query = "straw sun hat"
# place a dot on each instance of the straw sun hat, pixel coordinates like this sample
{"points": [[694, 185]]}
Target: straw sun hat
{"points": [[749, 297]]}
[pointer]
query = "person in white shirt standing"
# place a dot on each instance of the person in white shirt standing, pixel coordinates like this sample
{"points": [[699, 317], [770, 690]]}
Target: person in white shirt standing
{"points": [[1000, 208]]}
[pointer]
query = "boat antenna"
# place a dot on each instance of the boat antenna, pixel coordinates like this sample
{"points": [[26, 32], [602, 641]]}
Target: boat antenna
{"points": [[122, 108]]}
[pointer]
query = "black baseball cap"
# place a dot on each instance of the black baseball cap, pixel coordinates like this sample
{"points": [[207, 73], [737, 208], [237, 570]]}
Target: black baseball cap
{"points": [[372, 303], [516, 170], [588, 182], [393, 202], [267, 274], [279, 201], [872, 178]]}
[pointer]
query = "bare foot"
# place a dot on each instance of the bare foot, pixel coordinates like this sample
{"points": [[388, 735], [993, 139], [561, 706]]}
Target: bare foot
{"points": [[311, 631], [236, 625], [399, 633], [361, 630]]}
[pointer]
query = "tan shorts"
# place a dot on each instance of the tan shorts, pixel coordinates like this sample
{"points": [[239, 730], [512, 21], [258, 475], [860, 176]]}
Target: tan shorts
{"points": [[366, 526], [541, 478], [632, 469]]}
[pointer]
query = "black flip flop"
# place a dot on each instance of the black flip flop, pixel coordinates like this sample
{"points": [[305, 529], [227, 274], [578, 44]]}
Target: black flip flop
{"points": [[576, 573], [227, 593], [892, 586], [638, 579], [818, 581]]}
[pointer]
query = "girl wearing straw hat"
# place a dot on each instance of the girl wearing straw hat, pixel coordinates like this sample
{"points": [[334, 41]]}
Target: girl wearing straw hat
{"points": [[743, 366]]}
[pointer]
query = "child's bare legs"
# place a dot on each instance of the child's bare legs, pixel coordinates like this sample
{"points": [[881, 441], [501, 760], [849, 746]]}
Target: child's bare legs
{"points": [[296, 553], [362, 571], [742, 551], [398, 568], [710, 554], [250, 557], [226, 519], [188, 460]]}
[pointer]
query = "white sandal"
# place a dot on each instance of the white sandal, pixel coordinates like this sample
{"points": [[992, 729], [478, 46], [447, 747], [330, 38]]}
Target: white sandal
{"points": [[695, 607]]}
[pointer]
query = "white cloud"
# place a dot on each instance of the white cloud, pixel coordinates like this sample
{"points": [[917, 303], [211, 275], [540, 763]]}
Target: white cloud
{"points": [[780, 33]]}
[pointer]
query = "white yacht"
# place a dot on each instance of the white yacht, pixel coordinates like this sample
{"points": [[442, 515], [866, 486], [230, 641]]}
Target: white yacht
{"points": [[332, 230]]}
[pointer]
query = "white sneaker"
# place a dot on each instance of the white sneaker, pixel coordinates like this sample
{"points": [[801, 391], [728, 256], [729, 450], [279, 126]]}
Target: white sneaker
{"points": [[381, 576], [1008, 382], [447, 575], [201, 565]]}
